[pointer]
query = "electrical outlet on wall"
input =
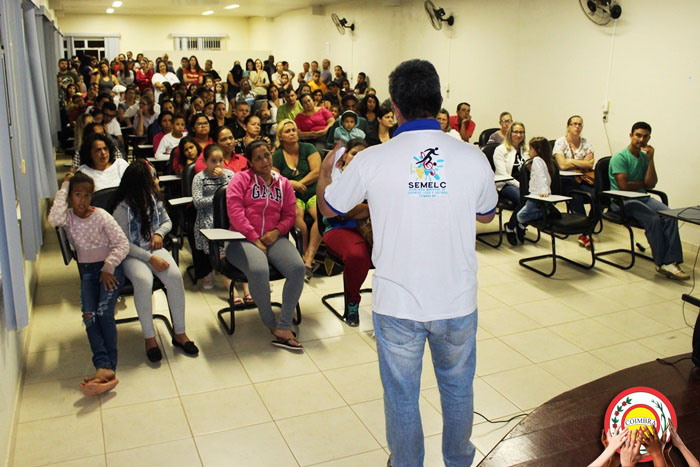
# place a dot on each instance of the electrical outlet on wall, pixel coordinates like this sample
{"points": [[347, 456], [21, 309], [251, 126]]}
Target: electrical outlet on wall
{"points": [[606, 109]]}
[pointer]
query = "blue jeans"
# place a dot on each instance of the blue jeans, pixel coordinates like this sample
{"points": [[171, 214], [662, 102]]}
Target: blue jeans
{"points": [[530, 212], [662, 232], [400, 345], [99, 304], [512, 194], [577, 201]]}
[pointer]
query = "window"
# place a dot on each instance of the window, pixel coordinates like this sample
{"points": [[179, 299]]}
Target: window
{"points": [[93, 47], [187, 42]]}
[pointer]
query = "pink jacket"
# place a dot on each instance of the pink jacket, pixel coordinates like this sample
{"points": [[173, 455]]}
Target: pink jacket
{"points": [[255, 209]]}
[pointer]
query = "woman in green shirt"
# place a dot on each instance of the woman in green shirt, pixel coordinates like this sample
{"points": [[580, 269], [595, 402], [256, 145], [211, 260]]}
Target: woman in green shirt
{"points": [[300, 163]]}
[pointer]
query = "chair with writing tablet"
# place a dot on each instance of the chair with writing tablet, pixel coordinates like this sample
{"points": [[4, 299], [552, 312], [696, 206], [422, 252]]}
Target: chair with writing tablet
{"points": [[485, 135], [556, 224], [605, 200]]}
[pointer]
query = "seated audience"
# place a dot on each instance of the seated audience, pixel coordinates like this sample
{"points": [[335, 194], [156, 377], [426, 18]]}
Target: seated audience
{"points": [[316, 83], [313, 122], [367, 109], [507, 160], [443, 117], [231, 160], [252, 133], [361, 85], [246, 94], [140, 213], [348, 129], [144, 75], [170, 141], [542, 170], [259, 80], [162, 79], [573, 152], [210, 71], [261, 206], [100, 247], [98, 161], [234, 78], [193, 74], [326, 71], [633, 169], [317, 96], [186, 153], [349, 238], [277, 75], [300, 163], [301, 77], [145, 116], [220, 118], [240, 112], [105, 79], [291, 107], [274, 100], [505, 121], [385, 127], [165, 123], [462, 122]]}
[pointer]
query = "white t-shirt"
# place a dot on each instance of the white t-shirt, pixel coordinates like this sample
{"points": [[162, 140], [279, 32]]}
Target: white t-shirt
{"points": [[108, 178], [167, 78], [113, 128], [424, 190], [166, 145]]}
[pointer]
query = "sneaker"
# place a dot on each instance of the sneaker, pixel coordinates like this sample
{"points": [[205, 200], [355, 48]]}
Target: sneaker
{"points": [[511, 235], [584, 241], [673, 271], [352, 315], [520, 233], [208, 281]]}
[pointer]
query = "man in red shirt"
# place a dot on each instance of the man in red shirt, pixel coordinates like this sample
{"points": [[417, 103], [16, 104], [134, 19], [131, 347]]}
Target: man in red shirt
{"points": [[463, 122]]}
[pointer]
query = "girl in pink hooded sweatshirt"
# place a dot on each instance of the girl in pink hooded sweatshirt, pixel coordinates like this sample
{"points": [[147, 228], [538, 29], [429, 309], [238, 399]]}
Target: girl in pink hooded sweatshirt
{"points": [[261, 205]]}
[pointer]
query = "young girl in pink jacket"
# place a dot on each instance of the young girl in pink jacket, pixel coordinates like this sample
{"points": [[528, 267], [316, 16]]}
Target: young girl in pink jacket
{"points": [[261, 205]]}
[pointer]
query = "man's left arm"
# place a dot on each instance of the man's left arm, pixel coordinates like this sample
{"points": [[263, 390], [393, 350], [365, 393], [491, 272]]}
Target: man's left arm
{"points": [[346, 193], [488, 198], [650, 178]]}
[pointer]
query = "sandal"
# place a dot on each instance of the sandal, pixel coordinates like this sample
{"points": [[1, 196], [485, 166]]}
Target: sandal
{"points": [[248, 300], [238, 301], [98, 386], [287, 344]]}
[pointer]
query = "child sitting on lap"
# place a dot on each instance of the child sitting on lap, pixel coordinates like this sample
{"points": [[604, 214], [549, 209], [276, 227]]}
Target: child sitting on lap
{"points": [[348, 128]]}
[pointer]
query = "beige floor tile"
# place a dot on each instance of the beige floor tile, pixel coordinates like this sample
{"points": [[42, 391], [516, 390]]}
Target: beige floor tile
{"points": [[492, 356], [194, 375], [54, 399], [527, 387], [327, 435], [274, 363], [486, 301], [141, 384], [668, 344], [549, 312], [52, 334], [517, 293], [589, 334], [182, 452], [630, 295], [144, 424], [94, 461], [259, 445], [341, 351], [504, 321], [490, 403], [625, 355], [299, 395], [664, 287], [632, 324], [671, 313], [491, 275], [579, 369], [58, 364], [377, 457], [593, 304], [541, 345], [65, 435], [210, 339], [482, 334], [486, 435], [358, 383], [372, 415], [433, 451], [226, 409], [322, 325]]}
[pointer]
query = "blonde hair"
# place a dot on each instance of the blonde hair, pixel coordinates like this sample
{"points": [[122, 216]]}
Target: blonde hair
{"points": [[508, 141], [286, 121]]}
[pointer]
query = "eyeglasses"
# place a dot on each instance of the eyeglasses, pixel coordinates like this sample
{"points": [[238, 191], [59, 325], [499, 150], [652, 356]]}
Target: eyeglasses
{"points": [[517, 132], [201, 124], [576, 124], [506, 121]]}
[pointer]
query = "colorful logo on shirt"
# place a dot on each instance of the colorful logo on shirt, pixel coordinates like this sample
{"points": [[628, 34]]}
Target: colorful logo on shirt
{"points": [[425, 181], [637, 407]]}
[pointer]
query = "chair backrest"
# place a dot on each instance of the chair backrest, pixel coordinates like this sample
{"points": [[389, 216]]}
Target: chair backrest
{"points": [[102, 197], [602, 179], [187, 178], [257, 105], [66, 248], [485, 135], [488, 150], [551, 143], [220, 211]]}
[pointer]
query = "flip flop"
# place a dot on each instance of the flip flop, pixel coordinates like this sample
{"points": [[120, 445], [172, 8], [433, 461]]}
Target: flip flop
{"points": [[248, 300], [286, 344], [95, 386]]}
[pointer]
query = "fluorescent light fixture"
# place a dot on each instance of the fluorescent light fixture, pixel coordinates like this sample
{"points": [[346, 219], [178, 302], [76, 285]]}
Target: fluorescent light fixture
{"points": [[116, 4], [110, 10], [231, 7]]}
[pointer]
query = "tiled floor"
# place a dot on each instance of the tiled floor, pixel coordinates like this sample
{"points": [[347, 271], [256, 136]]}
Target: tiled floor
{"points": [[244, 402]]}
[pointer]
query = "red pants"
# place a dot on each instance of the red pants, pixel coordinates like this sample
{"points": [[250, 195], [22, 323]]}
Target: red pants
{"points": [[354, 251]]}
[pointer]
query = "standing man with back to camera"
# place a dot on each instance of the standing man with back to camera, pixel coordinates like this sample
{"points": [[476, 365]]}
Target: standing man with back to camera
{"points": [[425, 191]]}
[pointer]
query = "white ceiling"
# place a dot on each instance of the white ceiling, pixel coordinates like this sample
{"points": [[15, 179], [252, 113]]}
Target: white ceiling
{"points": [[268, 8]]}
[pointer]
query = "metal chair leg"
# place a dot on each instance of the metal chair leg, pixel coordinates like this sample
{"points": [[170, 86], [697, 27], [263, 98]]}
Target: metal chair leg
{"points": [[326, 301], [631, 251], [482, 236], [523, 262]]}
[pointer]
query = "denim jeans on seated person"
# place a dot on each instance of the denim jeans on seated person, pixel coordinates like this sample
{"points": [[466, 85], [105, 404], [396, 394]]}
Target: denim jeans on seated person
{"points": [[530, 212], [400, 345], [512, 194], [662, 232], [100, 327]]}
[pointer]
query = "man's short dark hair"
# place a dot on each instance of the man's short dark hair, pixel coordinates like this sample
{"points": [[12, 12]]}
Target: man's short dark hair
{"points": [[641, 126], [164, 114], [109, 105], [459, 106], [347, 98], [62, 60], [414, 86]]}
